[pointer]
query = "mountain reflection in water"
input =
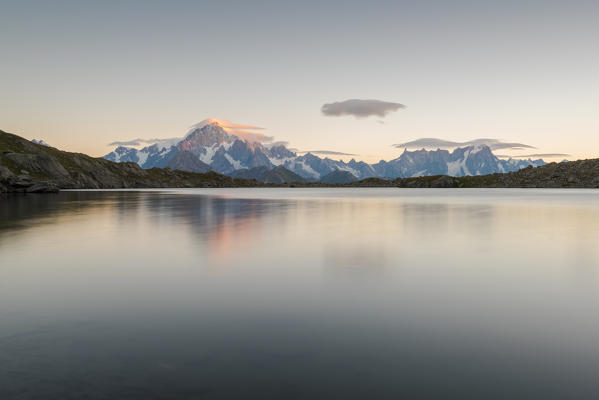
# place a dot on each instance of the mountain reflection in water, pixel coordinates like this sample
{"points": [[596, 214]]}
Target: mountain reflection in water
{"points": [[300, 293]]}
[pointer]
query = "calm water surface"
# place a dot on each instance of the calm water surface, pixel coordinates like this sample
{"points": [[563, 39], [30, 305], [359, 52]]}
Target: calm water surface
{"points": [[300, 293]]}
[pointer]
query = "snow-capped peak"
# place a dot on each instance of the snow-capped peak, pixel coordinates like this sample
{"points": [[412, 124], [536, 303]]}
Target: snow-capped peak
{"points": [[40, 141], [201, 124], [477, 148]]}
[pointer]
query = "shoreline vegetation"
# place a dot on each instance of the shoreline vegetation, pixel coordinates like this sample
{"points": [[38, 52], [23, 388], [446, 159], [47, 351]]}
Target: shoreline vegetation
{"points": [[27, 167]]}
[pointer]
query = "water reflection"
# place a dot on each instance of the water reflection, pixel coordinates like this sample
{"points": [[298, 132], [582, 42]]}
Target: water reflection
{"points": [[354, 259], [299, 293]]}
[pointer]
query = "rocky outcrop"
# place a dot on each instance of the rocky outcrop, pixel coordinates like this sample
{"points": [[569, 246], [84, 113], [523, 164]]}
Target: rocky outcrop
{"points": [[23, 183]]}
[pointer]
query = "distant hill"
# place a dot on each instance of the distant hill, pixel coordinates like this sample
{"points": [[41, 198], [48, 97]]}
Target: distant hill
{"points": [[29, 167], [278, 175], [338, 177]]}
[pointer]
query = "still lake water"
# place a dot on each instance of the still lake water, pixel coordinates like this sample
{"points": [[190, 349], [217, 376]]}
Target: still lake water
{"points": [[300, 293]]}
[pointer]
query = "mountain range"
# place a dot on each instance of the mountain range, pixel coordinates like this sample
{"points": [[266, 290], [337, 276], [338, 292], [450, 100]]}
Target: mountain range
{"points": [[28, 167], [208, 146]]}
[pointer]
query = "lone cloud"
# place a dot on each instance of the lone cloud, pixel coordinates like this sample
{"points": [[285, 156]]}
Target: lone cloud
{"points": [[360, 108]]}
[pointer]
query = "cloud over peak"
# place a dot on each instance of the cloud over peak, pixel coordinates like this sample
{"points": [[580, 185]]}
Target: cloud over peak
{"points": [[536, 155], [140, 142], [328, 152], [249, 136], [434, 143], [242, 131], [360, 108]]}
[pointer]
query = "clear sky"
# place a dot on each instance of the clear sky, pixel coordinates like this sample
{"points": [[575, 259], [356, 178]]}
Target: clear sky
{"points": [[81, 74]]}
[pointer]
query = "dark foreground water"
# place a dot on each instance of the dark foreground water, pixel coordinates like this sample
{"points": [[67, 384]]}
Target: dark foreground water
{"points": [[300, 293]]}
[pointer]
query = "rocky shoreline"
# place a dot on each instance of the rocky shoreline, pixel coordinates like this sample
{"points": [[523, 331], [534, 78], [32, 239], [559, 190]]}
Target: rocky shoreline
{"points": [[23, 183]]}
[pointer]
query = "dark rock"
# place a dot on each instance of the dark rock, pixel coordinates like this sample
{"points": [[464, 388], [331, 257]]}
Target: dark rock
{"points": [[277, 175], [42, 187], [443, 182], [38, 163], [338, 177]]}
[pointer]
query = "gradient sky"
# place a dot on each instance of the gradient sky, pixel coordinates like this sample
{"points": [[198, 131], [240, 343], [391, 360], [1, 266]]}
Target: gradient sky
{"points": [[82, 74]]}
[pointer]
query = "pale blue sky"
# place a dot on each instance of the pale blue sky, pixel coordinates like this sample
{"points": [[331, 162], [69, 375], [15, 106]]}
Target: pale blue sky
{"points": [[81, 74]]}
